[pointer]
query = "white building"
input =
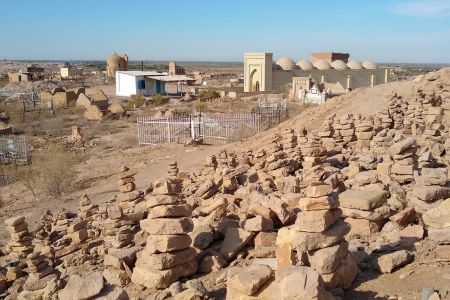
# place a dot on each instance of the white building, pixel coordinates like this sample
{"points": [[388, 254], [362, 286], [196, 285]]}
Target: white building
{"points": [[70, 71], [147, 83]]}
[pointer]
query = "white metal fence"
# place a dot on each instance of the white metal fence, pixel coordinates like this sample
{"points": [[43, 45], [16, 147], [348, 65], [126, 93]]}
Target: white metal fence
{"points": [[209, 127], [13, 149]]}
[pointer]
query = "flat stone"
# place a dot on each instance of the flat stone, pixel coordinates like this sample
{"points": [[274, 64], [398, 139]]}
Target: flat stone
{"points": [[111, 292], [300, 282], [364, 200], [76, 226], [116, 276], [430, 193], [439, 216], [265, 239], [166, 260], [380, 213], [144, 274], [285, 256], [388, 262], [363, 227], [404, 217], [167, 226], [281, 209], [117, 257], [82, 287], [235, 240], [402, 145], [157, 200], [258, 223], [318, 189], [307, 241], [440, 236], [166, 211], [316, 220], [167, 243], [327, 260], [250, 279], [320, 203]]}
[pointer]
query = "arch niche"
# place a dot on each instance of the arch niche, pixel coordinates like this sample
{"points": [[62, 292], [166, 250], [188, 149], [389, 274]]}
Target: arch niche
{"points": [[255, 83]]}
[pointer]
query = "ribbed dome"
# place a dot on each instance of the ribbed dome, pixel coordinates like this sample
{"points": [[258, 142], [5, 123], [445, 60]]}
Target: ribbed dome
{"points": [[305, 65], [286, 63], [354, 65], [339, 65], [322, 65], [370, 65]]}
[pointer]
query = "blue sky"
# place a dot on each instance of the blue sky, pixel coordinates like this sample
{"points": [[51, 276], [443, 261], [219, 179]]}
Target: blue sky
{"points": [[213, 30]]}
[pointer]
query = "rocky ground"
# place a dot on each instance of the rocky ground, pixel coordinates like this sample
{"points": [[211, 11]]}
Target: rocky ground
{"points": [[348, 200]]}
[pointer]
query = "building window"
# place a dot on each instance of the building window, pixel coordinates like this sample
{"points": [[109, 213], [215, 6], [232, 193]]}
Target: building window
{"points": [[141, 84]]}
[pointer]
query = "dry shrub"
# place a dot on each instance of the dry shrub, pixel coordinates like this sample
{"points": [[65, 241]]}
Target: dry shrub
{"points": [[136, 101], [56, 169]]}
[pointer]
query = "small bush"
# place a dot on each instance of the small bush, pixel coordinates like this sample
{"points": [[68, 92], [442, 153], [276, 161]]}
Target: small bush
{"points": [[158, 100], [136, 101], [209, 93], [57, 170]]}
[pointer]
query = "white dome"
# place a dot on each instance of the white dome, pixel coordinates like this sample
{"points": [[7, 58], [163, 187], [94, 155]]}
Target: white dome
{"points": [[322, 65], [354, 65], [370, 65], [339, 65], [305, 65], [286, 63]]}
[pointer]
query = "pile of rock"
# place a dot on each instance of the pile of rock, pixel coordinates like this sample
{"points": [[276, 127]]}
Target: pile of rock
{"points": [[346, 128], [126, 180], [20, 244], [365, 210], [86, 209], [38, 266], [319, 234], [403, 154], [364, 132], [167, 256]]}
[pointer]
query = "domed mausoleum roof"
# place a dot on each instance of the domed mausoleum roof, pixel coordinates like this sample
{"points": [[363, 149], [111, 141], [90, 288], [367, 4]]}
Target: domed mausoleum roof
{"points": [[305, 65], [354, 65], [286, 63], [115, 59], [322, 65], [339, 65], [370, 65]]}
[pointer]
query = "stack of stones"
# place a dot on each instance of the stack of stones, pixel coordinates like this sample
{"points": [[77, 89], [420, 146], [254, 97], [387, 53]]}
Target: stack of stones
{"points": [[385, 120], [346, 128], [61, 221], [301, 135], [289, 141], [211, 165], [173, 170], [86, 209], [318, 237], [365, 210], [21, 240], [77, 231], [403, 154], [364, 133], [117, 229], [38, 266], [433, 123], [167, 256], [275, 152], [314, 153], [43, 230], [327, 132], [126, 180], [396, 108]]}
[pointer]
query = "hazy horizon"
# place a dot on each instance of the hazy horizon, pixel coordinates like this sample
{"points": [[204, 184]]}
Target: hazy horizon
{"points": [[385, 31]]}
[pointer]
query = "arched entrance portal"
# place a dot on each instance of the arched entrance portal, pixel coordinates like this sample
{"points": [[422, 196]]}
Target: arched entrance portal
{"points": [[254, 82]]}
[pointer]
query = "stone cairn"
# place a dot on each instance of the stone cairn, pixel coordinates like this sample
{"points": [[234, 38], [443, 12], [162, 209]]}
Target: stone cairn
{"points": [[126, 180], [21, 240], [319, 235], [403, 154], [38, 266], [167, 256], [346, 129], [364, 132], [86, 209]]}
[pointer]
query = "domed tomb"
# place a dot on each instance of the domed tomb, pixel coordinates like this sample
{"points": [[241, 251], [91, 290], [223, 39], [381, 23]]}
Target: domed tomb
{"points": [[116, 63], [354, 65], [305, 65], [339, 65], [369, 65], [286, 63], [322, 65]]}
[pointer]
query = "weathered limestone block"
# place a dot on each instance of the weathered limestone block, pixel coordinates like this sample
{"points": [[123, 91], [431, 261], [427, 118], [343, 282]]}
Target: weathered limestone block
{"points": [[167, 243], [316, 220], [167, 226], [387, 263], [250, 279], [364, 200], [327, 260]]}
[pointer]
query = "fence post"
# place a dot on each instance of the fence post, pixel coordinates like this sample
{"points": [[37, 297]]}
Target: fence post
{"points": [[168, 130]]}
